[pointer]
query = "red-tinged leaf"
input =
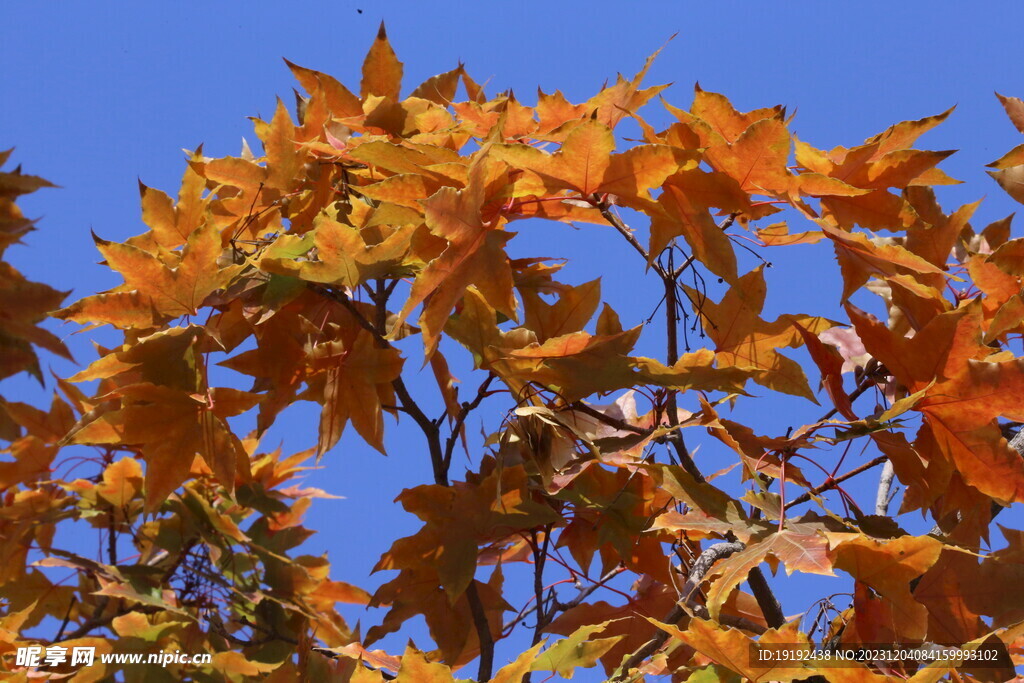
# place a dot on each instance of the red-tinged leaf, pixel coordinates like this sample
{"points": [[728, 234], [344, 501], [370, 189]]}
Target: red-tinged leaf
{"points": [[758, 159], [904, 134], [778, 235], [624, 97], [877, 210], [1015, 157], [580, 164], [693, 371], [817, 185], [830, 363], [743, 340], [1009, 257], [122, 480], [355, 376], [172, 429], [159, 214], [573, 310], [702, 523], [860, 258], [382, 72], [686, 199], [575, 365], [716, 110], [416, 668], [731, 648], [947, 589], [899, 168], [340, 101]]}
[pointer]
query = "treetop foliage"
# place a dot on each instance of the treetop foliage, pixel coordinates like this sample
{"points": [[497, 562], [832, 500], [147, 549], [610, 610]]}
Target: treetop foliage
{"points": [[370, 238]]}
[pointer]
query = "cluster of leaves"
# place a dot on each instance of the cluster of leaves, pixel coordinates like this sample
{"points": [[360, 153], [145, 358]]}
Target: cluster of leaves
{"points": [[307, 265]]}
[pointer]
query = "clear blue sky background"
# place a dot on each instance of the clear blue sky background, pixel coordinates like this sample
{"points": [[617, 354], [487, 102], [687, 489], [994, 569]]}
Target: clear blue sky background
{"points": [[98, 95]]}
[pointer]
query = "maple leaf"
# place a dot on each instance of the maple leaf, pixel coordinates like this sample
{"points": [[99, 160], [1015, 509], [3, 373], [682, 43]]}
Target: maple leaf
{"points": [[172, 291], [575, 365], [860, 257], [585, 163], [964, 393], [356, 378], [743, 340], [162, 408], [459, 519], [475, 255], [343, 258], [382, 72], [888, 566], [685, 201]]}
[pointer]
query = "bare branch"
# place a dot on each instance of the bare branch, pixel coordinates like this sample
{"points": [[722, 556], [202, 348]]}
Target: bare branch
{"points": [[460, 419], [882, 498], [624, 230], [483, 631]]}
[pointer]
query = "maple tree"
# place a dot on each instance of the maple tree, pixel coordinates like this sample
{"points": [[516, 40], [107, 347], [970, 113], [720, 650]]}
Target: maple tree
{"points": [[370, 238]]}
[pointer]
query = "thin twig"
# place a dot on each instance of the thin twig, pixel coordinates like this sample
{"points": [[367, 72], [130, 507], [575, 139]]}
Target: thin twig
{"points": [[460, 419], [624, 230], [64, 624], [483, 631], [833, 483]]}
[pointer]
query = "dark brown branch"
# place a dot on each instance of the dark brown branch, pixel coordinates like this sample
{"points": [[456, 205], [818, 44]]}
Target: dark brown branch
{"points": [[759, 585], [409, 405], [766, 600], [64, 624], [460, 420], [483, 631], [111, 537]]}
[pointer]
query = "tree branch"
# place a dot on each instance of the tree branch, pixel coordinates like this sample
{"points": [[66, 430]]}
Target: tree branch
{"points": [[409, 405], [698, 569], [832, 483], [483, 632], [460, 419], [624, 230], [882, 498]]}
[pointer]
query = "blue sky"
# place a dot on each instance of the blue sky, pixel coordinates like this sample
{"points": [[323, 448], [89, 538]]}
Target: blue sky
{"points": [[98, 96]]}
